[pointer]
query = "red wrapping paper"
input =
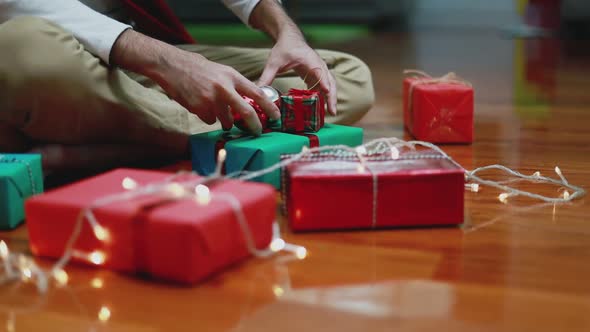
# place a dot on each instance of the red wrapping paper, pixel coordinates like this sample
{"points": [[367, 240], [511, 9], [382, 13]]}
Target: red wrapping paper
{"points": [[330, 194], [178, 241], [438, 112], [302, 111]]}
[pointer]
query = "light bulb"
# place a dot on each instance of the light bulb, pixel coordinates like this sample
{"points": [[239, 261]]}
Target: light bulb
{"points": [[558, 171], [503, 197], [203, 194], [304, 149], [96, 283], [277, 245], [361, 150], [221, 155], [394, 153], [278, 290], [97, 257], [104, 314], [61, 277], [566, 195], [101, 233], [537, 174], [301, 253], [175, 189], [128, 183], [3, 250], [27, 274]]}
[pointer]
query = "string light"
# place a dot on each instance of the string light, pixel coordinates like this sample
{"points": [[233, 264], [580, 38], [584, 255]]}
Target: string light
{"points": [[101, 233], [221, 155], [5, 256], [27, 274], [3, 250], [61, 277], [128, 183], [394, 153], [104, 314], [97, 257], [96, 283], [278, 290], [379, 147], [277, 245], [203, 194], [301, 253], [503, 197], [473, 187]]}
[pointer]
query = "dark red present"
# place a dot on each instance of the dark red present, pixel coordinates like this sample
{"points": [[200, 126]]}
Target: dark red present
{"points": [[438, 110], [302, 111], [324, 191], [171, 239]]}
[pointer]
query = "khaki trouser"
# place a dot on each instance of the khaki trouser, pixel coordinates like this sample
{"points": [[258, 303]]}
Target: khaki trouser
{"points": [[53, 91]]}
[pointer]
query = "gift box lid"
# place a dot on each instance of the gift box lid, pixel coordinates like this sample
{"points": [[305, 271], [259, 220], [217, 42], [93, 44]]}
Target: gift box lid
{"points": [[336, 167]]}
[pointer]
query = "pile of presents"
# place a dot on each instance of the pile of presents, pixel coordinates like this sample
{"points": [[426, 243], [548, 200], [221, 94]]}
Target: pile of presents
{"points": [[185, 241]]}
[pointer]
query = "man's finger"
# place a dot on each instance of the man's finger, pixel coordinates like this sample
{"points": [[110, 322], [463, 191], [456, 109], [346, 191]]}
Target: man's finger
{"points": [[333, 95], [225, 116], [238, 104], [268, 74], [207, 115], [250, 89]]}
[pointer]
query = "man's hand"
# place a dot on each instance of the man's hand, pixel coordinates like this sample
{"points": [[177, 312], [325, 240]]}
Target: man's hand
{"points": [[205, 88], [291, 51]]}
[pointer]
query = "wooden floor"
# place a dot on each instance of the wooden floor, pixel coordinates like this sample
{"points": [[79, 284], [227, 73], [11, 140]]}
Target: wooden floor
{"points": [[521, 266]]}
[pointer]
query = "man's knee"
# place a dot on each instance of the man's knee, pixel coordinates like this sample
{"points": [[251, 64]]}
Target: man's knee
{"points": [[35, 48], [354, 82]]}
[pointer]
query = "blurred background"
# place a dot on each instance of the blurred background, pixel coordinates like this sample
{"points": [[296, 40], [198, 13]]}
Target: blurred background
{"points": [[337, 19], [525, 52]]}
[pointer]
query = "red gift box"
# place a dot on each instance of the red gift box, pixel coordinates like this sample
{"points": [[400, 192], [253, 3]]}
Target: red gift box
{"points": [[302, 111], [322, 192], [438, 110], [172, 239]]}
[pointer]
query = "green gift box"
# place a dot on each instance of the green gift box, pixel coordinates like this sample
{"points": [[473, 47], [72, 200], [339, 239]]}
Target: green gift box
{"points": [[249, 153], [21, 176]]}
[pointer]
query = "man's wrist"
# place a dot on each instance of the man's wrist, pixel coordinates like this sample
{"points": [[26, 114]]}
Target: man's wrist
{"points": [[269, 16]]}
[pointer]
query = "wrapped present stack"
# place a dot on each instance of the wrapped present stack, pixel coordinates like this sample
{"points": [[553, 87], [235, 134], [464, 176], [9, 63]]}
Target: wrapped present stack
{"points": [[302, 125], [327, 191], [152, 231], [21, 176], [438, 109]]}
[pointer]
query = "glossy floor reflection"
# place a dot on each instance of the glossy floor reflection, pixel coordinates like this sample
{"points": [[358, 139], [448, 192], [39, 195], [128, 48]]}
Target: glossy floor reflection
{"points": [[521, 266]]}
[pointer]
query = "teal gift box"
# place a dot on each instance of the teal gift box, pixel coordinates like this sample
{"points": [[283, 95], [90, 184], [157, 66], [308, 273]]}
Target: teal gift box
{"points": [[21, 176], [249, 153]]}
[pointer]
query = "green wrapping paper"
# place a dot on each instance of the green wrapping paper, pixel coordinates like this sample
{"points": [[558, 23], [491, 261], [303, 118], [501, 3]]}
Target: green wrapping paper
{"points": [[21, 176], [248, 153]]}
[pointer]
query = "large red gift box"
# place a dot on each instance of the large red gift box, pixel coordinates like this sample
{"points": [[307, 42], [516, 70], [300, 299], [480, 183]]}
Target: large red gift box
{"points": [[438, 111], [323, 192], [175, 240]]}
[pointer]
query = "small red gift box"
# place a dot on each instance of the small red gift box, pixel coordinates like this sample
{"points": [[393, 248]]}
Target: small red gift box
{"points": [[173, 239], [438, 110], [323, 192], [302, 111]]}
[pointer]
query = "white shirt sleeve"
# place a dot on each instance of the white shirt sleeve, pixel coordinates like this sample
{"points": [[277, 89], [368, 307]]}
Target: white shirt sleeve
{"points": [[95, 31], [241, 8]]}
